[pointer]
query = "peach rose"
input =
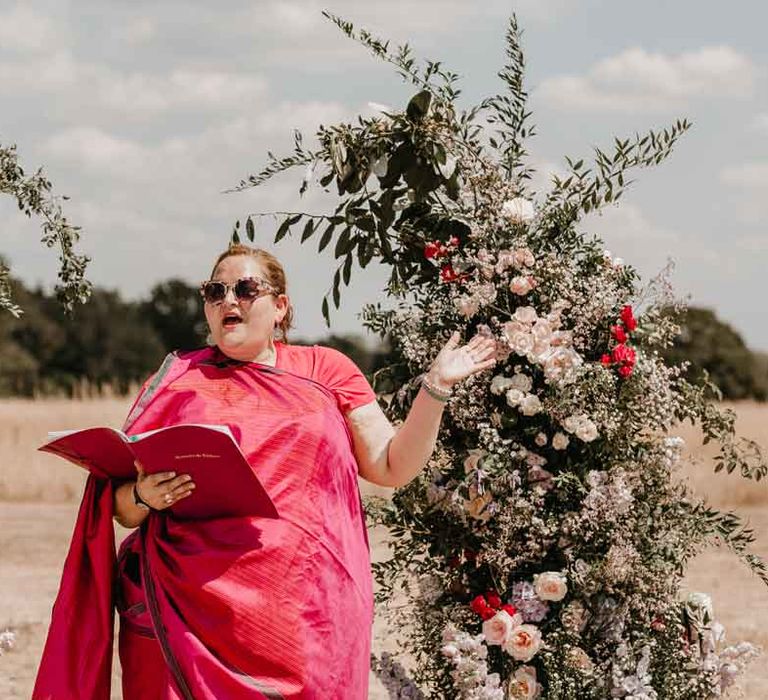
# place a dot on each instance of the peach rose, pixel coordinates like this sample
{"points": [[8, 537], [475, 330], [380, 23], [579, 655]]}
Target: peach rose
{"points": [[523, 685], [498, 629], [550, 586], [521, 285], [524, 642]]}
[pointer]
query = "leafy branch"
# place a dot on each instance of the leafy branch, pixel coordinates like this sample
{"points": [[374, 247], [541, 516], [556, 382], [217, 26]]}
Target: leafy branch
{"points": [[34, 196]]}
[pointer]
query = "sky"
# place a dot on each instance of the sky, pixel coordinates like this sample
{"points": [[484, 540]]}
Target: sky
{"points": [[143, 113]]}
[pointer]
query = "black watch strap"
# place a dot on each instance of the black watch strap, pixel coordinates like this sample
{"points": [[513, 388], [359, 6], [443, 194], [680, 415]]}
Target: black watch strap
{"points": [[138, 500]]}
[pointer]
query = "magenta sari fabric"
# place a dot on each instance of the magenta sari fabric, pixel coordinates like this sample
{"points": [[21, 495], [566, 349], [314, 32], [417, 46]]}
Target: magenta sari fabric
{"points": [[251, 608]]}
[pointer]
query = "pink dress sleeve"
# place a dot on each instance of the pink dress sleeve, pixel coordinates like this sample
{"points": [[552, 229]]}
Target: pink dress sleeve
{"points": [[335, 371]]}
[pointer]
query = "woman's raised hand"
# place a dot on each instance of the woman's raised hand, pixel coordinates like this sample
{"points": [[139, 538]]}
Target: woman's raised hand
{"points": [[162, 489], [454, 363]]}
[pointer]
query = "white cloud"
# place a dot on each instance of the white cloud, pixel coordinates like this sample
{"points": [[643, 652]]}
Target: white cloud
{"points": [[749, 183], [638, 80], [760, 123], [23, 30], [746, 176]]}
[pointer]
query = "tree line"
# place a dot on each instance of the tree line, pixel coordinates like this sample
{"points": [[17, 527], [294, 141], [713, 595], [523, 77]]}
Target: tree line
{"points": [[112, 344]]}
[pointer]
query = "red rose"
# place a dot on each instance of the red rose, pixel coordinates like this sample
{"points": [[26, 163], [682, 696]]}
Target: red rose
{"points": [[625, 371], [619, 334], [487, 614], [447, 273], [628, 318], [606, 360], [493, 599], [470, 555], [478, 604], [623, 354], [511, 610], [431, 250], [454, 241]]}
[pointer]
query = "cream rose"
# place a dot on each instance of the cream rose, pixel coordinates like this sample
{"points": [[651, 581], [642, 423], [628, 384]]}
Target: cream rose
{"points": [[518, 210], [587, 431], [525, 314], [530, 405], [521, 381], [524, 642], [521, 343], [500, 383], [523, 685], [560, 441], [550, 585], [515, 397], [467, 306], [498, 629]]}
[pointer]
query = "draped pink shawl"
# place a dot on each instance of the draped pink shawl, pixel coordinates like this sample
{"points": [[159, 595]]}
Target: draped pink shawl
{"points": [[246, 608]]}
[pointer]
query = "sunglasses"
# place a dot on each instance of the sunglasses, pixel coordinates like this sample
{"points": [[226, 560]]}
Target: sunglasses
{"points": [[246, 289]]}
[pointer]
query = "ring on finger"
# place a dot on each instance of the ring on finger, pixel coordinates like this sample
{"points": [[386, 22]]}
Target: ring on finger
{"points": [[168, 498]]}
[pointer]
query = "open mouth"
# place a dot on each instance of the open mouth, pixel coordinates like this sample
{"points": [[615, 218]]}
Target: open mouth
{"points": [[231, 320]]}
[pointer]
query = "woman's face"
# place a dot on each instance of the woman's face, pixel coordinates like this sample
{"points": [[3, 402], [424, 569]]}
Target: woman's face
{"points": [[245, 338]]}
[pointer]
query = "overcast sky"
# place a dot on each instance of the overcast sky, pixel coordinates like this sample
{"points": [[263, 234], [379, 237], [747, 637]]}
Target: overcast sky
{"points": [[143, 112]]}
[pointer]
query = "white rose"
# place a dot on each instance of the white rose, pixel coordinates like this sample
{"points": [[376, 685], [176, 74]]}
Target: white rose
{"points": [[550, 586], [500, 383], [521, 285], [498, 629], [560, 441], [541, 439], [521, 343], [518, 210], [525, 314], [524, 642], [515, 397], [531, 405], [587, 431], [573, 423], [523, 685], [521, 381]]}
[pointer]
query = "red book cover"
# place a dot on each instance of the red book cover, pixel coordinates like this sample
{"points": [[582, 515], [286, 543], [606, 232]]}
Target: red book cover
{"points": [[226, 486]]}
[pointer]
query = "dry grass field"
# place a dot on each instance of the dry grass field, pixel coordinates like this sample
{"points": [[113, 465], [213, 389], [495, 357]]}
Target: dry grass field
{"points": [[39, 496]]}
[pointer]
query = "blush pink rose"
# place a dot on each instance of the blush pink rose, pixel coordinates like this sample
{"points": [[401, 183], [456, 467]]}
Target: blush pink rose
{"points": [[498, 629], [524, 642]]}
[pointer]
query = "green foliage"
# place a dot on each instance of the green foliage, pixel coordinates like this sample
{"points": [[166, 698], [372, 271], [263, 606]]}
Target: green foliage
{"points": [[33, 194]]}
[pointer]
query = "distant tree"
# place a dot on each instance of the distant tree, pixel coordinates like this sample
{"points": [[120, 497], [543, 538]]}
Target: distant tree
{"points": [[174, 310], [712, 345]]}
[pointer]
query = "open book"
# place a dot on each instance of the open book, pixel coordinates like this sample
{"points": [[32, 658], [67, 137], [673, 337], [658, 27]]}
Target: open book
{"points": [[225, 483]]}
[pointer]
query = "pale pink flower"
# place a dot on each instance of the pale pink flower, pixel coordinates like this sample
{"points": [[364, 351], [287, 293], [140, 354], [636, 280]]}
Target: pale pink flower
{"points": [[541, 439], [525, 314], [524, 642], [523, 685], [521, 343], [521, 381], [467, 306], [560, 441], [550, 585], [524, 257], [521, 285], [498, 629], [500, 383], [511, 327]]}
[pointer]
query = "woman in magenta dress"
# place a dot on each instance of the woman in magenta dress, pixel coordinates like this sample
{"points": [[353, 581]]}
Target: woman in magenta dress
{"points": [[255, 607]]}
